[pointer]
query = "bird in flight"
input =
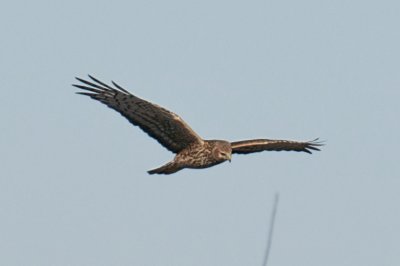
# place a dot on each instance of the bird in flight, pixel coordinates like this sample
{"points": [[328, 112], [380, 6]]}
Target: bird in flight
{"points": [[174, 134]]}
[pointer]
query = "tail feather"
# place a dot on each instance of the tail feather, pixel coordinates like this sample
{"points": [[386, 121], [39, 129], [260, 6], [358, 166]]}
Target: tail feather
{"points": [[166, 169]]}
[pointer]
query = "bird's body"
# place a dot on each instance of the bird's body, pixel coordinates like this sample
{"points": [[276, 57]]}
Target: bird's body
{"points": [[197, 156], [174, 134]]}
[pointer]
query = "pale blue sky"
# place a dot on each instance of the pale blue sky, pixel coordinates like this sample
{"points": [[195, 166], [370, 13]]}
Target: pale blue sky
{"points": [[73, 183]]}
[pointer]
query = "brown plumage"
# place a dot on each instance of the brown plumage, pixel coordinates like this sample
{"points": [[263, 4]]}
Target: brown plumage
{"points": [[175, 135]]}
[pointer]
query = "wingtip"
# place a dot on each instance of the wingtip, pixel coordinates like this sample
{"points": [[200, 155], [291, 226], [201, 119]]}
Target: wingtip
{"points": [[119, 87], [314, 145], [79, 79], [96, 80], [86, 94], [317, 142]]}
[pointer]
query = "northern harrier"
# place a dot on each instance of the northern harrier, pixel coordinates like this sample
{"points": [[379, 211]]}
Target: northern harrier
{"points": [[175, 135]]}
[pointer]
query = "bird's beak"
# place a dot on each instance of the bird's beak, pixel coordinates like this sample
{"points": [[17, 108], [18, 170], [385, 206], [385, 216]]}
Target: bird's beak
{"points": [[229, 157]]}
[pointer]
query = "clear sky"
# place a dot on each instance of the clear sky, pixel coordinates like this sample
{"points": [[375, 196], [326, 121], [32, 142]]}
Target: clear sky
{"points": [[73, 183]]}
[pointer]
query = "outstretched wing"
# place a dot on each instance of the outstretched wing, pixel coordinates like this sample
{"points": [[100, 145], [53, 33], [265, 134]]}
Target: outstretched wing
{"points": [[258, 145], [166, 127]]}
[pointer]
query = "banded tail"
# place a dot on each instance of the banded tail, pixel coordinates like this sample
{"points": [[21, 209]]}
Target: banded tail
{"points": [[166, 169]]}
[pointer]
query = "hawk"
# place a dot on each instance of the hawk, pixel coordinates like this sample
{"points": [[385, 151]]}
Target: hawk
{"points": [[174, 134]]}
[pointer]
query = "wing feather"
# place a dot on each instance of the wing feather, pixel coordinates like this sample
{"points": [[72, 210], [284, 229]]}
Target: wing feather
{"points": [[258, 145], [166, 127]]}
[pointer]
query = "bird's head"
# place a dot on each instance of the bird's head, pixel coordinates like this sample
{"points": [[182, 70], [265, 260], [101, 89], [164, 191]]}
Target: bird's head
{"points": [[222, 151]]}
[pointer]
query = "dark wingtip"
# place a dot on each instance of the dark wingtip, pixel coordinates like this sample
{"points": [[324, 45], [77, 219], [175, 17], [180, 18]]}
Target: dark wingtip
{"points": [[95, 85], [78, 86], [313, 145], [79, 79], [86, 94], [317, 142], [119, 87], [96, 80], [92, 78]]}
